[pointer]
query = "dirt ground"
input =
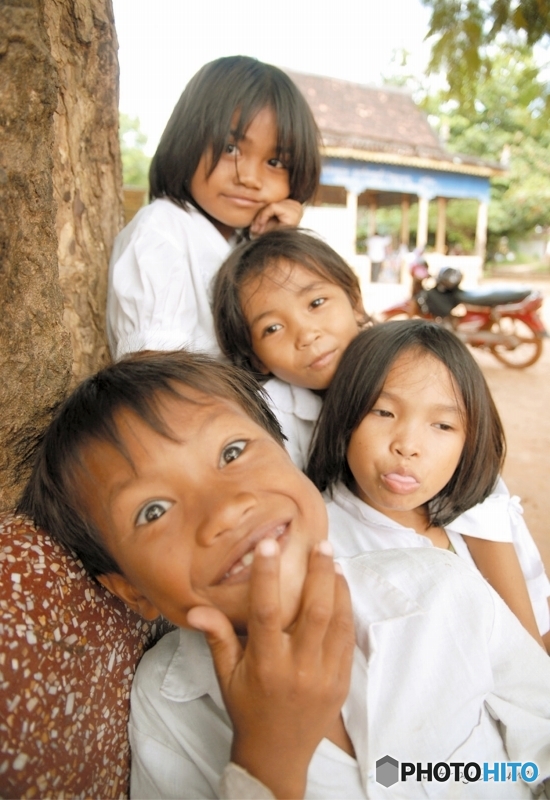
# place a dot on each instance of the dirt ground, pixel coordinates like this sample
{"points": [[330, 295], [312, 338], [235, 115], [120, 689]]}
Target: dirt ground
{"points": [[523, 400]]}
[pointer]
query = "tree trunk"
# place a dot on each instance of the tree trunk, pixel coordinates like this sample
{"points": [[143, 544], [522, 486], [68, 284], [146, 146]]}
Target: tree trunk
{"points": [[61, 206]]}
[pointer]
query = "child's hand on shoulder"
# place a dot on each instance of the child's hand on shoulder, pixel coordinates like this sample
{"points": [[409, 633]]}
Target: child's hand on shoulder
{"points": [[284, 691], [286, 213]]}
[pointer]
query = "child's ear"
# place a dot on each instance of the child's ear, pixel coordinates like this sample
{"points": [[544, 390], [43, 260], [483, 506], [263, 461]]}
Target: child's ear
{"points": [[118, 585]]}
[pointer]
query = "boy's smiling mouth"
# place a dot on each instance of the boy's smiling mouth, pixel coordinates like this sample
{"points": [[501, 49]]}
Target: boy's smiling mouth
{"points": [[239, 567]]}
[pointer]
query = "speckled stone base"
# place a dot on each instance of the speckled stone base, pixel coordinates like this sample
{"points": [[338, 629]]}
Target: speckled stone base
{"points": [[68, 653]]}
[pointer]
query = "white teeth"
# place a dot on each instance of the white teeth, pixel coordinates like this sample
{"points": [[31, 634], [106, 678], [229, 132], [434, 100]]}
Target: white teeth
{"points": [[247, 559]]}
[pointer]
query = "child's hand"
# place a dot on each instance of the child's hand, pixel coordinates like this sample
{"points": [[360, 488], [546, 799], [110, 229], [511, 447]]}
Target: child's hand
{"points": [[286, 213], [286, 689]]}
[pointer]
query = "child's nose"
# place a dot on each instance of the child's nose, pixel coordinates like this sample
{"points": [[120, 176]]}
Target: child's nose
{"points": [[407, 443], [306, 334], [247, 173], [221, 512]]}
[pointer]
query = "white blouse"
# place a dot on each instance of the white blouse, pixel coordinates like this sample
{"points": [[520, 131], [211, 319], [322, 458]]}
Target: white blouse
{"points": [[297, 410], [160, 274], [355, 527], [442, 671]]}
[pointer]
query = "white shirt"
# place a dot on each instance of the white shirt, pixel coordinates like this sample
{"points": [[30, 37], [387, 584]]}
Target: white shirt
{"points": [[376, 248], [161, 269], [439, 659], [355, 527], [297, 410]]}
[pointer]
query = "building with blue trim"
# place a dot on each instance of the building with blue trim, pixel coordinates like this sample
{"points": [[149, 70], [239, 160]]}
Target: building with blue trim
{"points": [[380, 150]]}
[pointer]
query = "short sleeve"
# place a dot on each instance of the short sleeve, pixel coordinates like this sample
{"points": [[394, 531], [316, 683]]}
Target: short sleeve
{"points": [[159, 282], [500, 519]]}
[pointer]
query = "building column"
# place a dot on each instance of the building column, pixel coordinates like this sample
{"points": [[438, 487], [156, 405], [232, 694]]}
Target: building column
{"points": [[351, 205], [405, 220], [481, 230], [371, 227], [422, 229], [440, 233], [405, 224]]}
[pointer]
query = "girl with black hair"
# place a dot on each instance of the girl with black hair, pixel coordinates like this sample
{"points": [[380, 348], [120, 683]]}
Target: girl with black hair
{"points": [[238, 156], [408, 449]]}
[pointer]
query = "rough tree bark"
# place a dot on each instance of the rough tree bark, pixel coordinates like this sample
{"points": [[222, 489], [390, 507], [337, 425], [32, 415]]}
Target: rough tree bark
{"points": [[60, 208]]}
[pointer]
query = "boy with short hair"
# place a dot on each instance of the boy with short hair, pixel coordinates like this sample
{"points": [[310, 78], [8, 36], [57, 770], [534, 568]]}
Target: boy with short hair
{"points": [[167, 475]]}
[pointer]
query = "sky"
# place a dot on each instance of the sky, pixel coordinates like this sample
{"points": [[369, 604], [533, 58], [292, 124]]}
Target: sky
{"points": [[162, 43]]}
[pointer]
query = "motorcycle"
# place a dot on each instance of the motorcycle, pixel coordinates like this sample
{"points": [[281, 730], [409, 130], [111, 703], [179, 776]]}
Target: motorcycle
{"points": [[504, 321]]}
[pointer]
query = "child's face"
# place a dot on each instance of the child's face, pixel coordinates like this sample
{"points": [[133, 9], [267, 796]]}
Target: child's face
{"points": [[183, 517], [408, 446], [300, 324], [248, 176]]}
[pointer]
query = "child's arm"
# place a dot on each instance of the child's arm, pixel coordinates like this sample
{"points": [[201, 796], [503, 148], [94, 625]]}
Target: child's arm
{"points": [[286, 213], [284, 691], [499, 565]]}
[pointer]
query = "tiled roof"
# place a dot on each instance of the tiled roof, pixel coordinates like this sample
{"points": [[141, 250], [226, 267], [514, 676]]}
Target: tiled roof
{"points": [[384, 124]]}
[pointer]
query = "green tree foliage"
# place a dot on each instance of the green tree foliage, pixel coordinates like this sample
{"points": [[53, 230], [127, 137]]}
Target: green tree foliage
{"points": [[506, 122], [135, 162], [465, 31]]}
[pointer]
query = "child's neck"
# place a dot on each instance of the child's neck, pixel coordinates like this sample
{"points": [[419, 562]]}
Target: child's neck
{"points": [[225, 230]]}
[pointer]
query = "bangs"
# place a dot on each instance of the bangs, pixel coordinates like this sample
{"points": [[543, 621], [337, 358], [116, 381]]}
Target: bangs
{"points": [[204, 117], [255, 101], [262, 87]]}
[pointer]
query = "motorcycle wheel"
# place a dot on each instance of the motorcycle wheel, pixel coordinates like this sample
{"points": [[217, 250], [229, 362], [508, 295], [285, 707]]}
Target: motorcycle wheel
{"points": [[528, 350]]}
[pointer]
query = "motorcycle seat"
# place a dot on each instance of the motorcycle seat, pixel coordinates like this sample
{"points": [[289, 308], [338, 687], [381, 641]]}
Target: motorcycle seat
{"points": [[496, 296]]}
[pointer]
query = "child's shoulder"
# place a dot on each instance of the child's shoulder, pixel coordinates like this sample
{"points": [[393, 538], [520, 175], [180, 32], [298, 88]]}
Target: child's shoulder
{"points": [[152, 668], [426, 575], [296, 400], [161, 212], [163, 222], [175, 665]]}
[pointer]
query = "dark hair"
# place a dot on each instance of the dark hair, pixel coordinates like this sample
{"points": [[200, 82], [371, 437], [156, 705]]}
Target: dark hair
{"points": [[202, 118], [251, 259], [357, 385], [136, 383]]}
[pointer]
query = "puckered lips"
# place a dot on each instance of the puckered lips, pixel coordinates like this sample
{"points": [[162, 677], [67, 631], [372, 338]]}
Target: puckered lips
{"points": [[237, 568], [400, 481]]}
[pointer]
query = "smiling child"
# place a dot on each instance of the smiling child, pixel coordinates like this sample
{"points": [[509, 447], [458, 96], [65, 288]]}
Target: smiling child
{"points": [[287, 306], [167, 475]]}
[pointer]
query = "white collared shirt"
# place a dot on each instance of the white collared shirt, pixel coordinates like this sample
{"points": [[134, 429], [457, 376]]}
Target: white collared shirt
{"points": [[356, 528], [297, 410], [439, 659], [160, 274]]}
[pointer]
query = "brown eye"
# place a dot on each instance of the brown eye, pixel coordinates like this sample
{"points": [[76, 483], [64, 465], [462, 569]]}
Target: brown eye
{"points": [[232, 452], [153, 511]]}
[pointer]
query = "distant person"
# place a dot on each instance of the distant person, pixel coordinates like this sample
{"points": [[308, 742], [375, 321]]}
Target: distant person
{"points": [[376, 251], [238, 156]]}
